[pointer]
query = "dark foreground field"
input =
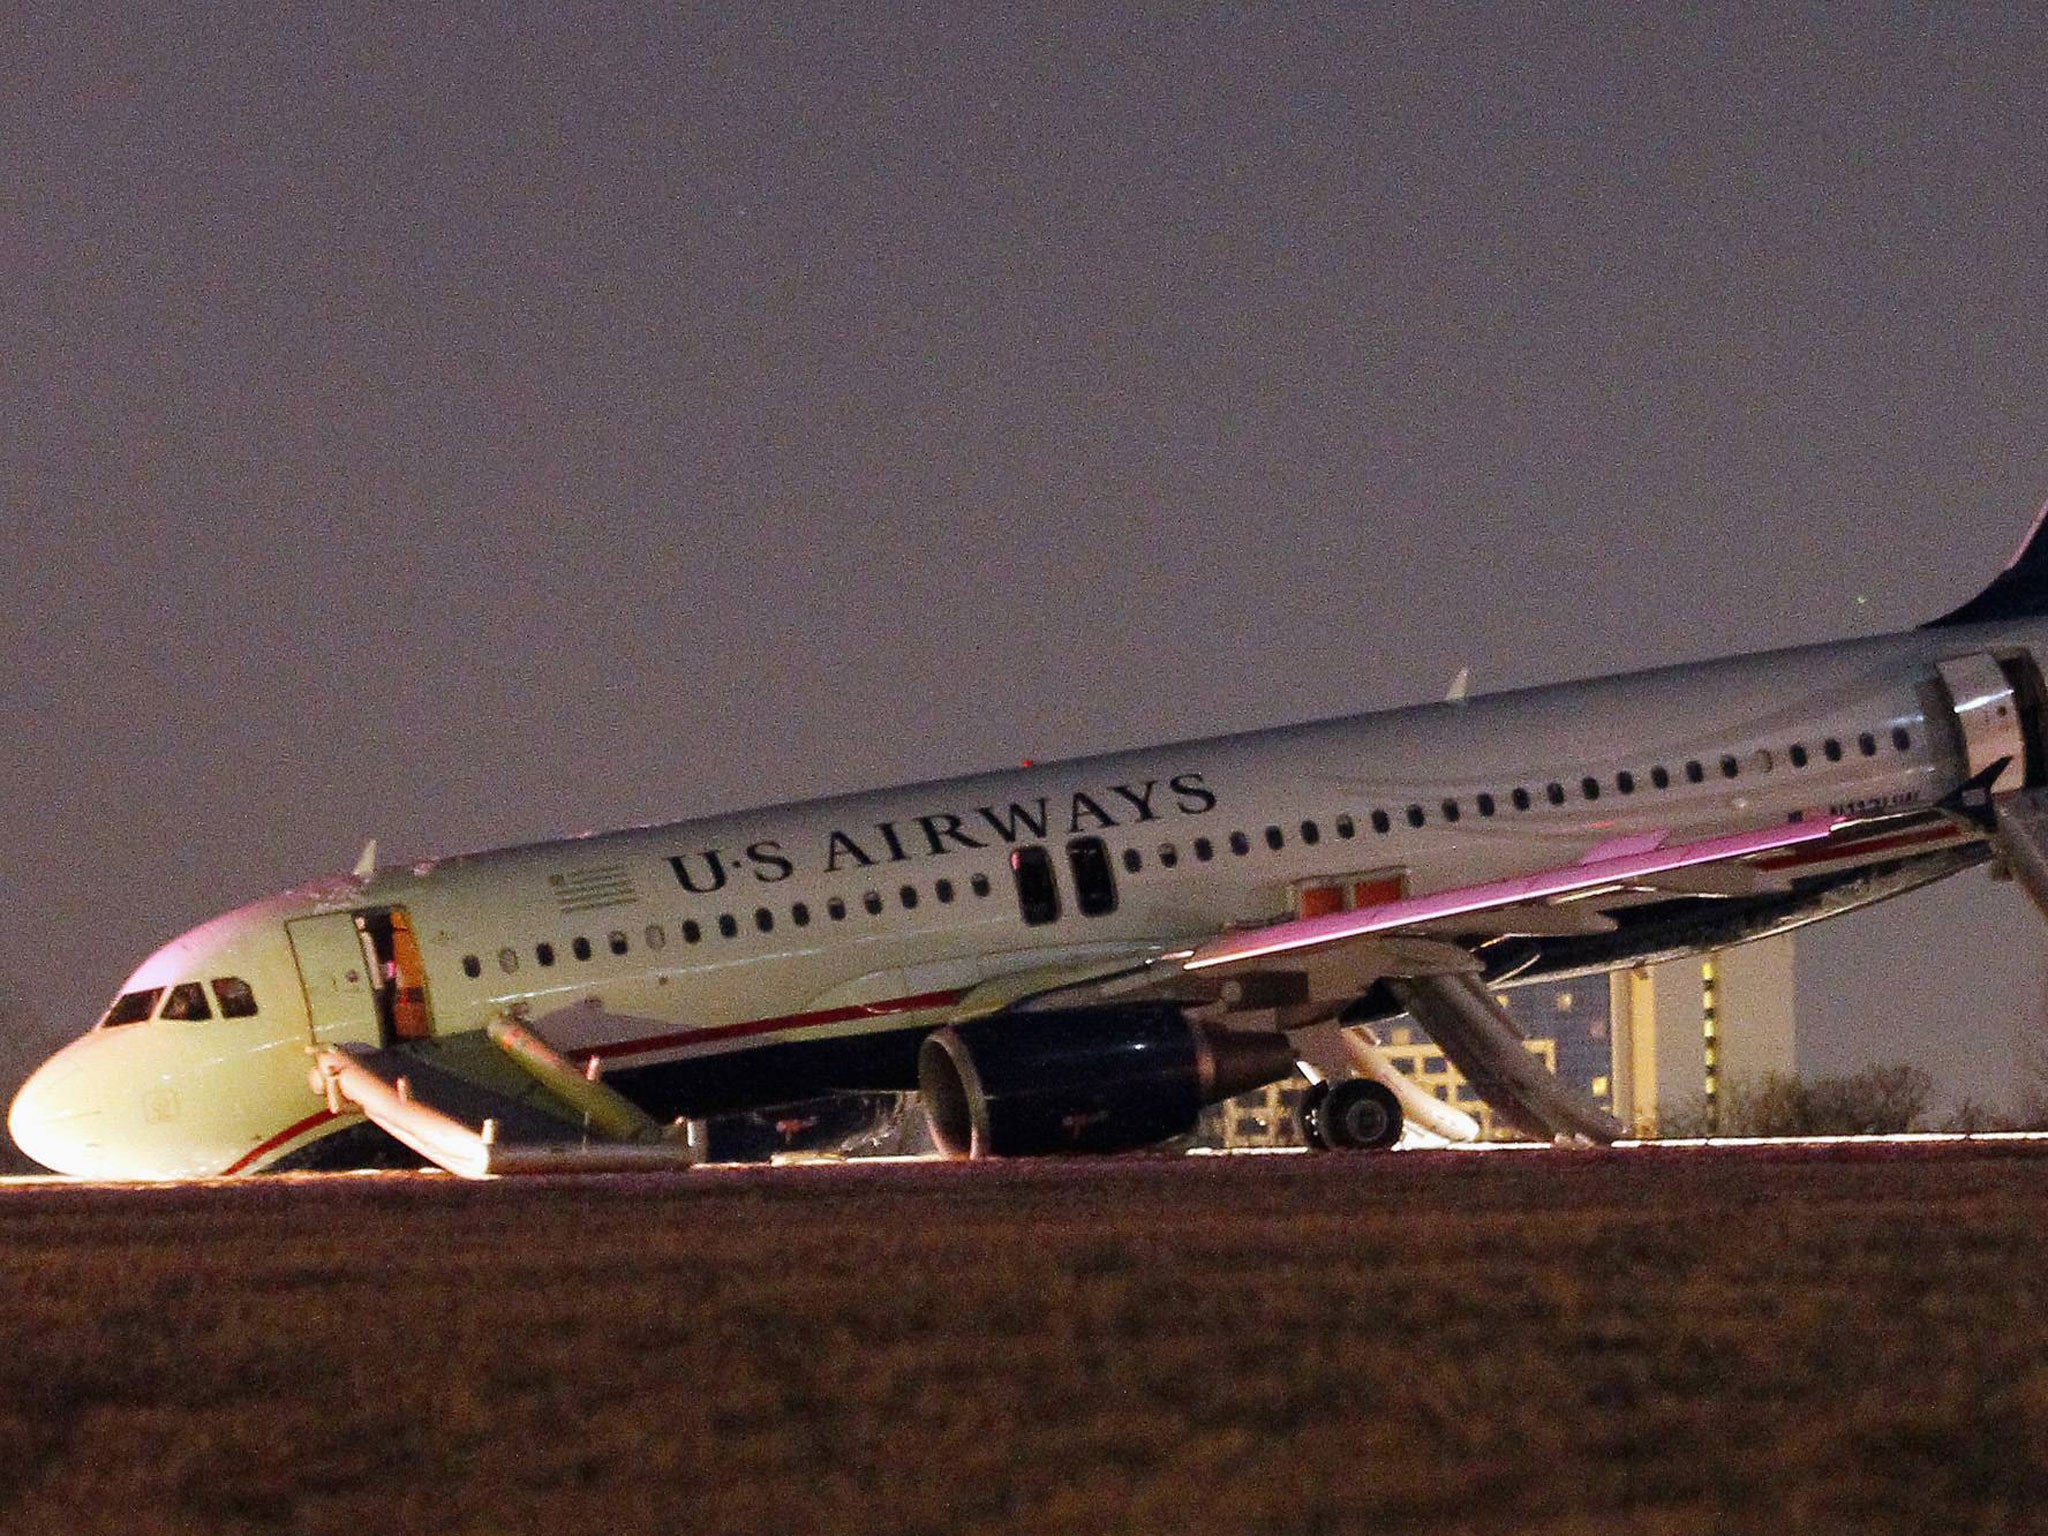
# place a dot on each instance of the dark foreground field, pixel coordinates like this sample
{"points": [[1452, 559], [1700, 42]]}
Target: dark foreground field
{"points": [[1663, 1342]]}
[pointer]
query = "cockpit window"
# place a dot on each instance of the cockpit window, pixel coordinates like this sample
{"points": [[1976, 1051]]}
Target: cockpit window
{"points": [[237, 997], [188, 1001], [132, 1007]]}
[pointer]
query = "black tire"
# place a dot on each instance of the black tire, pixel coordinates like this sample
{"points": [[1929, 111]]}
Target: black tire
{"points": [[1309, 1116], [1359, 1115]]}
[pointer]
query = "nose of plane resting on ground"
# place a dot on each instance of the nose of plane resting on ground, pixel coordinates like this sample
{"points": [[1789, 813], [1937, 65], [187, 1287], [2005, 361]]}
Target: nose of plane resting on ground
{"points": [[166, 1100], [62, 1117], [59, 1116], [198, 1068]]}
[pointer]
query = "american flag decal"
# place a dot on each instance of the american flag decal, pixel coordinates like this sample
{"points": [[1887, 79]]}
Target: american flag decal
{"points": [[601, 885]]}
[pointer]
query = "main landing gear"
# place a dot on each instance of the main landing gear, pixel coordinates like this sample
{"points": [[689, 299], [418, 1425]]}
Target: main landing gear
{"points": [[1358, 1114]]}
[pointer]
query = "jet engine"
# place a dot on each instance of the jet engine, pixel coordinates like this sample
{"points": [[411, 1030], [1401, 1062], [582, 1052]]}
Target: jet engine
{"points": [[1101, 1079]]}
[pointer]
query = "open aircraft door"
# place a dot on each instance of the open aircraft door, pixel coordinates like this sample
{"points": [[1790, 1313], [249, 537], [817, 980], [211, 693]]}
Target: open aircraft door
{"points": [[341, 1004], [2000, 710], [1997, 704], [363, 976]]}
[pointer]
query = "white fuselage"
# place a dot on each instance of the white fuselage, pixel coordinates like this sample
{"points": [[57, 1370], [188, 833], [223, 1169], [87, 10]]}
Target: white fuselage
{"points": [[817, 925]]}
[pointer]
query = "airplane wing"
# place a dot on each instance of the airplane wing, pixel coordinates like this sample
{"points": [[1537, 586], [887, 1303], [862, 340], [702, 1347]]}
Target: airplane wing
{"points": [[1454, 1007], [1609, 868]]}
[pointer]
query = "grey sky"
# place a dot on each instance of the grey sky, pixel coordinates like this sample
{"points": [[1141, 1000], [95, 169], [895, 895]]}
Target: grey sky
{"points": [[462, 430]]}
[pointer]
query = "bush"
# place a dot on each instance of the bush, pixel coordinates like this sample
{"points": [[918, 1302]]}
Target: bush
{"points": [[1878, 1101]]}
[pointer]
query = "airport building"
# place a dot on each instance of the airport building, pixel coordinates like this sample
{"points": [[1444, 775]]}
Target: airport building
{"points": [[1683, 1033], [1674, 1035]]}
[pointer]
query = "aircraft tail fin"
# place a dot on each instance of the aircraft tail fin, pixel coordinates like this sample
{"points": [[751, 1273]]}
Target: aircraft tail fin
{"points": [[2020, 591]]}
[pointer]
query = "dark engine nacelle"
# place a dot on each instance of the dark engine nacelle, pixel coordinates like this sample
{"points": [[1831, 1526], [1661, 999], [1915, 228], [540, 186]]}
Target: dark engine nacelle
{"points": [[1103, 1079]]}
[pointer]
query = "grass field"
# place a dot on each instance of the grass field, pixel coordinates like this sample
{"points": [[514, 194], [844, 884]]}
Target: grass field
{"points": [[1665, 1342]]}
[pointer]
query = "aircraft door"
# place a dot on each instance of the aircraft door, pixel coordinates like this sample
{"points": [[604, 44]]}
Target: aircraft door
{"points": [[1996, 710], [341, 995], [2031, 698], [364, 976]]}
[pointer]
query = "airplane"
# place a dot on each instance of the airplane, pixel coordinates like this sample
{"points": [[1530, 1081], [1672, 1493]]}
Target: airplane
{"points": [[1076, 956]]}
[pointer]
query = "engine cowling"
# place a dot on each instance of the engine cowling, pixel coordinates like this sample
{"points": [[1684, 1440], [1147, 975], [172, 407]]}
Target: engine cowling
{"points": [[1107, 1079]]}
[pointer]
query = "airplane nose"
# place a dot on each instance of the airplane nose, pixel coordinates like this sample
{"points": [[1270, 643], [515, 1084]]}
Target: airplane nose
{"points": [[55, 1120]]}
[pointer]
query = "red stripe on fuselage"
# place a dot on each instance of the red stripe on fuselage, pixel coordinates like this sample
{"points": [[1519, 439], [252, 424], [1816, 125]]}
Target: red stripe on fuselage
{"points": [[1828, 853], [289, 1133], [846, 1015]]}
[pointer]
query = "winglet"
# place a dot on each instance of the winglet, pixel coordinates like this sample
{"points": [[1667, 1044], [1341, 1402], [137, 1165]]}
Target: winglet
{"points": [[366, 864], [1461, 687]]}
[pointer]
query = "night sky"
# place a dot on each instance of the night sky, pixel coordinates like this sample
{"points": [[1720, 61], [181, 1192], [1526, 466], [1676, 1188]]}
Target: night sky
{"points": [[465, 429]]}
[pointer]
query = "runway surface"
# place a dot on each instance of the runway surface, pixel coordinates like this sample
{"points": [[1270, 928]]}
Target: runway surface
{"points": [[1822, 1338]]}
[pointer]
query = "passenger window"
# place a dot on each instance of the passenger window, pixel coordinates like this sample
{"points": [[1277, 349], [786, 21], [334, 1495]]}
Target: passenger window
{"points": [[1486, 806], [1554, 792], [1038, 898], [1625, 782], [909, 896], [1346, 827], [1450, 810], [1590, 787], [1310, 833], [616, 942], [693, 931], [1204, 850], [1415, 816], [728, 925], [1831, 749], [237, 998], [1520, 798], [1169, 856], [1382, 822], [836, 910], [764, 919], [1133, 861], [1275, 839], [943, 889], [871, 903], [1867, 744], [656, 936], [800, 914], [580, 947], [188, 1002], [979, 884], [544, 953], [1240, 844], [508, 960], [1730, 767], [1797, 754], [1660, 776], [471, 967], [1902, 739], [1694, 773]]}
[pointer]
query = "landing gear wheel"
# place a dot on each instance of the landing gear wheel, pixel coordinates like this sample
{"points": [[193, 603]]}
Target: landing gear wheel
{"points": [[1309, 1116], [1359, 1115]]}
